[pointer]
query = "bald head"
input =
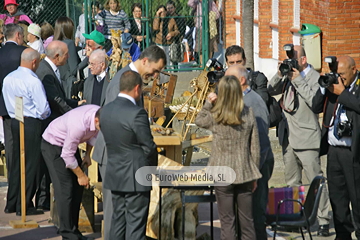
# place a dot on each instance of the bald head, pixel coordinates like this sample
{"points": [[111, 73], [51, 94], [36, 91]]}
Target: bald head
{"points": [[240, 72], [300, 56], [99, 55], [30, 58], [57, 52], [97, 62], [346, 69]]}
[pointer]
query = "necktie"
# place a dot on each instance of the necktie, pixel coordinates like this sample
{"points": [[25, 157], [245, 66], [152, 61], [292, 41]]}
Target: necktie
{"points": [[337, 121], [57, 73], [99, 78]]}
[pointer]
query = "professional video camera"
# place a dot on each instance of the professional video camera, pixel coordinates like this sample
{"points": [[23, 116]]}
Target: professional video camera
{"points": [[329, 78], [288, 64], [218, 73]]}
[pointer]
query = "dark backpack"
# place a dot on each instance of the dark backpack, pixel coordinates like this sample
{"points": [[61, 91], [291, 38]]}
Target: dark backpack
{"points": [[273, 105]]}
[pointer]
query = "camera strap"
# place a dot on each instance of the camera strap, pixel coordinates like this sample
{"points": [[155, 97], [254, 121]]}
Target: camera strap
{"points": [[288, 101]]}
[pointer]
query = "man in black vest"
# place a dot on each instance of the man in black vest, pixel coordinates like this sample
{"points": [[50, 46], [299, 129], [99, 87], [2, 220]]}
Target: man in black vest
{"points": [[96, 84]]}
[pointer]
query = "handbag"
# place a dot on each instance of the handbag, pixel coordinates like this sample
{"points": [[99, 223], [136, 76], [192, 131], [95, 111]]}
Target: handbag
{"points": [[277, 194], [274, 112], [177, 52]]}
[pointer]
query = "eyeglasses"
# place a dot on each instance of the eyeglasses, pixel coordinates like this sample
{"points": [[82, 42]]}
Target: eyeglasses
{"points": [[91, 64], [137, 11]]}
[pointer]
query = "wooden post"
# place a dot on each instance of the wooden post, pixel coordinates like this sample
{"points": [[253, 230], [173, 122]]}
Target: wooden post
{"points": [[22, 170], [19, 115]]}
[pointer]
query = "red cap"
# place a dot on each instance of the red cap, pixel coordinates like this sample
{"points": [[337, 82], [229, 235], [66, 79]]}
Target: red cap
{"points": [[7, 2]]}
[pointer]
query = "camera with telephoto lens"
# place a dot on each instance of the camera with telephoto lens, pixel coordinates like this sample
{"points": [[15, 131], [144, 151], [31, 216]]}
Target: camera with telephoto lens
{"points": [[344, 129], [288, 64], [218, 73], [332, 77]]}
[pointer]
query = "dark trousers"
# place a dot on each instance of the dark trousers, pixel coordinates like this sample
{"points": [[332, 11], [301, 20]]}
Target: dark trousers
{"points": [[107, 204], [42, 198], [260, 199], [344, 187], [67, 191], [32, 131], [12, 195], [226, 197], [130, 215]]}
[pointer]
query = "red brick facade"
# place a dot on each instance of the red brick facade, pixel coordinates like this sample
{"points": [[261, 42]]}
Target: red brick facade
{"points": [[339, 21]]}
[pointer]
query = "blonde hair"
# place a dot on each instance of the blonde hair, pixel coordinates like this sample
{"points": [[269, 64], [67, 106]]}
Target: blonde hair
{"points": [[229, 104]]}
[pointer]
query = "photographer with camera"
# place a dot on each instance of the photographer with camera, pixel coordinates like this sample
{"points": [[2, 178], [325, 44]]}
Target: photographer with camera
{"points": [[340, 140], [299, 130]]}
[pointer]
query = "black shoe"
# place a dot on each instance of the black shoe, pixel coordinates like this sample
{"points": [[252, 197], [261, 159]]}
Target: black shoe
{"points": [[8, 210], [323, 230], [43, 208], [31, 211]]}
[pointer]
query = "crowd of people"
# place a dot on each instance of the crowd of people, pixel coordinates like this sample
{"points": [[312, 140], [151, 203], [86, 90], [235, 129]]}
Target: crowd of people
{"points": [[110, 117]]}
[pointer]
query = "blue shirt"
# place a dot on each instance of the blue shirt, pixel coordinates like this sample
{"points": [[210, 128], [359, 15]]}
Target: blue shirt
{"points": [[24, 83]]}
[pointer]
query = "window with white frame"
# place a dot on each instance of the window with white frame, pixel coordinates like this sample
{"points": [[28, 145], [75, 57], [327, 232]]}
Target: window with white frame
{"points": [[275, 11], [256, 9], [296, 13]]}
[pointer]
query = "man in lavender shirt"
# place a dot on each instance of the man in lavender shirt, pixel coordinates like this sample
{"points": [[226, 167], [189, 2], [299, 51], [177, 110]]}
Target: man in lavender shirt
{"points": [[60, 151]]}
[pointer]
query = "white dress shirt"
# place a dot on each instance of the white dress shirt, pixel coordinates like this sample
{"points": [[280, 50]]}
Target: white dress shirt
{"points": [[24, 83]]}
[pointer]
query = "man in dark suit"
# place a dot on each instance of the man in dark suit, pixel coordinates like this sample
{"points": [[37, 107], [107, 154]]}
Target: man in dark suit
{"points": [[130, 146], [10, 55], [150, 63], [342, 147], [48, 72], [96, 84], [236, 55]]}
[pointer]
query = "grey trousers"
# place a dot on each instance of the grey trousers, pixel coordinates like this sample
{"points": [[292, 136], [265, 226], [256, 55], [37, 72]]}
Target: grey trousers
{"points": [[297, 160], [107, 204], [226, 197]]}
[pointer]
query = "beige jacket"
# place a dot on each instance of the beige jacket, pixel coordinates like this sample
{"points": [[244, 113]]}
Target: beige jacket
{"points": [[237, 147]]}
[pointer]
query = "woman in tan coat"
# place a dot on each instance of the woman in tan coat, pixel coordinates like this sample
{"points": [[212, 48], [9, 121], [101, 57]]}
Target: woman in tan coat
{"points": [[235, 145], [165, 30]]}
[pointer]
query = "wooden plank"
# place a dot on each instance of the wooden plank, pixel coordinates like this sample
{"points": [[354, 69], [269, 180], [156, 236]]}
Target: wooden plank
{"points": [[197, 141], [162, 141]]}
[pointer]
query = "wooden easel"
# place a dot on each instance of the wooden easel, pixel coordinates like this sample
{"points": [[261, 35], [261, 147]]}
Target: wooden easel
{"points": [[19, 115]]}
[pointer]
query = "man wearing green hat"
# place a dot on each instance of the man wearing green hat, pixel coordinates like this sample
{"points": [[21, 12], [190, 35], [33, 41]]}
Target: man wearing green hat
{"points": [[94, 40]]}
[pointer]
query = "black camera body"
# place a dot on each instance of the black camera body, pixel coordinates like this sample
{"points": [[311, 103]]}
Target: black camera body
{"points": [[344, 129], [328, 79], [218, 73], [287, 65]]}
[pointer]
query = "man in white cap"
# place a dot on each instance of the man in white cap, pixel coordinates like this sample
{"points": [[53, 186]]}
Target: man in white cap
{"points": [[34, 37]]}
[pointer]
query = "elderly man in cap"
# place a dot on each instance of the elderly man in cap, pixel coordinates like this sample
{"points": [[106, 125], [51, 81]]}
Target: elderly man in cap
{"points": [[94, 40]]}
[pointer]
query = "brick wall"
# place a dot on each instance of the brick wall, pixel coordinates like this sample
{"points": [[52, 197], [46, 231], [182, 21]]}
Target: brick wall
{"points": [[229, 15], [339, 21], [264, 29]]}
